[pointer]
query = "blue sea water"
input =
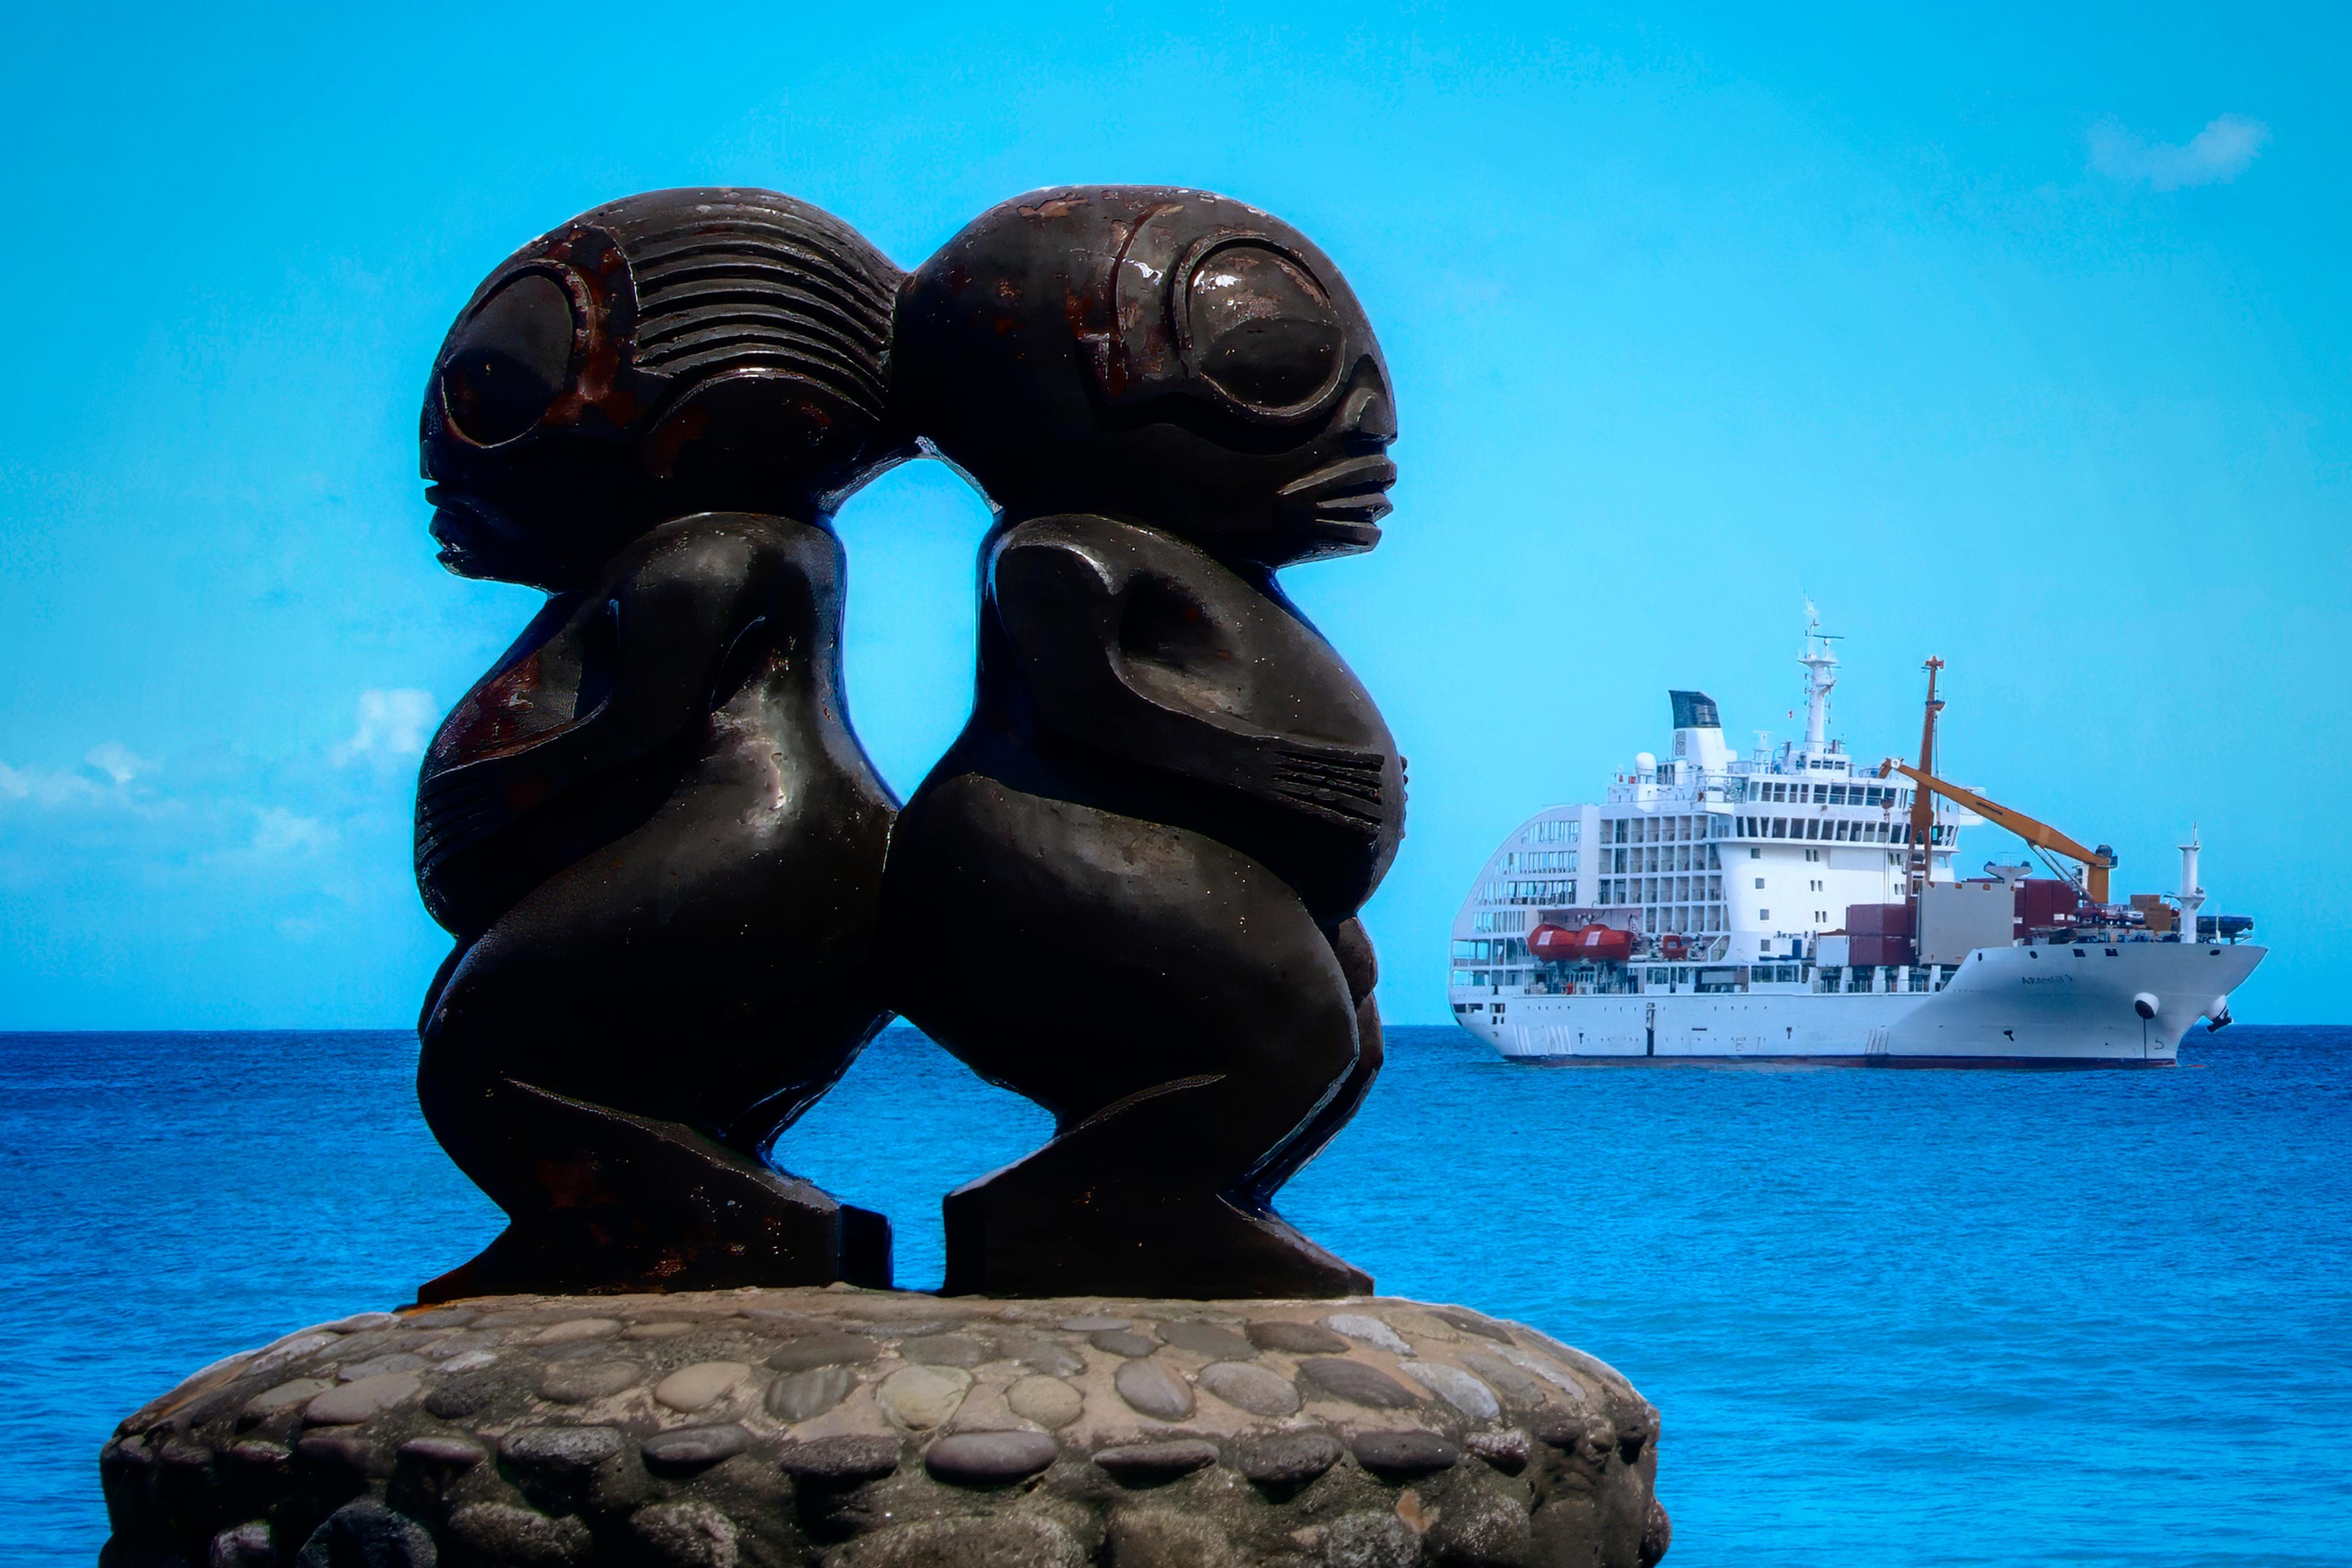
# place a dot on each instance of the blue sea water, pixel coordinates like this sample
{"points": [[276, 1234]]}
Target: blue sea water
{"points": [[1892, 1317]]}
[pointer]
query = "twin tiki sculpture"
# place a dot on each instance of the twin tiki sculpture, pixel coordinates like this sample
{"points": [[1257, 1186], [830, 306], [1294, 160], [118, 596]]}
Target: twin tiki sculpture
{"points": [[683, 900]]}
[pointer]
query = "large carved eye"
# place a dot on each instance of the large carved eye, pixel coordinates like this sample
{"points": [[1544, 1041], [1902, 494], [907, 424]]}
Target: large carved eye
{"points": [[1261, 328], [509, 361]]}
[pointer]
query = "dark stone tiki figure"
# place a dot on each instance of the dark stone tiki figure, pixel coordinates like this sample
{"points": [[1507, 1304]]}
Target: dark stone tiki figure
{"points": [[1132, 880], [649, 827]]}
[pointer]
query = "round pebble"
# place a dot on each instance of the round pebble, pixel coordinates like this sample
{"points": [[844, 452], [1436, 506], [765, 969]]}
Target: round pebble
{"points": [[245, 1546], [1421, 1325], [286, 1396], [1551, 1372], [577, 1382], [445, 1453], [364, 1531], [259, 1457], [576, 1329], [1211, 1340], [1507, 1451], [1500, 1375], [455, 1398], [689, 1533], [1153, 1390], [701, 1386], [1406, 1453], [661, 1331], [440, 1318], [358, 1322], [1040, 1355], [1455, 1387], [1285, 1458], [826, 1350], [988, 1459], [451, 1346], [376, 1366], [694, 1447], [338, 1450], [1161, 1461], [1251, 1388], [1298, 1339], [289, 1351], [921, 1397], [802, 1396], [560, 1451], [840, 1461], [356, 1401], [1047, 1401], [1123, 1341], [1370, 1330], [500, 1532], [1093, 1325], [472, 1361], [1356, 1382], [1470, 1322], [944, 1350], [1574, 1432]]}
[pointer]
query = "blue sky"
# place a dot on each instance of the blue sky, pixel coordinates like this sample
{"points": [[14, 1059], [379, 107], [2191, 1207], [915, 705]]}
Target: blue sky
{"points": [[2015, 339]]}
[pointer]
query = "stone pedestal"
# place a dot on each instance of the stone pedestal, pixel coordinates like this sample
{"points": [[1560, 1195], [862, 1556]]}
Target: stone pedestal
{"points": [[876, 1429]]}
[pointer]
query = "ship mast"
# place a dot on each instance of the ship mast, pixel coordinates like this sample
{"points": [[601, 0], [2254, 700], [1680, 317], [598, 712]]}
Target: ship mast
{"points": [[1923, 804], [1820, 673]]}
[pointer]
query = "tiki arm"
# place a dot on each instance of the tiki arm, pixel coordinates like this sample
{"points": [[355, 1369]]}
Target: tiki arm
{"points": [[1066, 612], [673, 619]]}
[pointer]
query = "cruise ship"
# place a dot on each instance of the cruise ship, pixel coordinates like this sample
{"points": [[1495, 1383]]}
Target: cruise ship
{"points": [[1794, 905]]}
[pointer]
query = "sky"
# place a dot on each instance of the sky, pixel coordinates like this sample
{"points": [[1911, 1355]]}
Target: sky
{"points": [[2014, 338]]}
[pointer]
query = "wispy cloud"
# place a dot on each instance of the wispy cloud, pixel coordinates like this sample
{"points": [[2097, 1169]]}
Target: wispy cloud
{"points": [[282, 832], [393, 726], [2219, 152], [53, 788], [119, 762]]}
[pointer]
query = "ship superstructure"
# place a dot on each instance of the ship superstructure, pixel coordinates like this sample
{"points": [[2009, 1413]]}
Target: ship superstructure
{"points": [[1789, 903]]}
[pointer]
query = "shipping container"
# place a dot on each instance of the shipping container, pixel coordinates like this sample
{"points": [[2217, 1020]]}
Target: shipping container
{"points": [[1956, 918], [2045, 902], [1872, 949]]}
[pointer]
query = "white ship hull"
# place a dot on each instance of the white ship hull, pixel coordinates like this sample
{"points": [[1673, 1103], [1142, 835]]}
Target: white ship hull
{"points": [[2042, 1005]]}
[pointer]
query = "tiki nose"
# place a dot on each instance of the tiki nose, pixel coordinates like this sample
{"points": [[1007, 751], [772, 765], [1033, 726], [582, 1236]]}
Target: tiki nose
{"points": [[1369, 416]]}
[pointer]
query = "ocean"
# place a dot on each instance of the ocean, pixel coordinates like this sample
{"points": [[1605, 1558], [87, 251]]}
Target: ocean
{"points": [[1891, 1317]]}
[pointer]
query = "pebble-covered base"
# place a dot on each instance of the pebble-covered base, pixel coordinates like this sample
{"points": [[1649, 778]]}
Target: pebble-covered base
{"points": [[878, 1429]]}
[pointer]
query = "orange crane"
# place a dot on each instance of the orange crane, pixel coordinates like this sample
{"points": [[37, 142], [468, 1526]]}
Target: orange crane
{"points": [[2097, 863]]}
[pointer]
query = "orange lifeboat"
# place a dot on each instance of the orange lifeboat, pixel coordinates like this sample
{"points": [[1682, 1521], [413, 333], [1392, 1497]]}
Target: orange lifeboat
{"points": [[1596, 943]]}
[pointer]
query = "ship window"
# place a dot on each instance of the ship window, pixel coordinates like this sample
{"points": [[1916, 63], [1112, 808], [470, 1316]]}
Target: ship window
{"points": [[1755, 852], [1763, 914], [1759, 884]]}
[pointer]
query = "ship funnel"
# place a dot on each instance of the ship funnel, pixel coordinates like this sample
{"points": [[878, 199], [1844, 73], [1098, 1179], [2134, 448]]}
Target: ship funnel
{"points": [[1698, 732]]}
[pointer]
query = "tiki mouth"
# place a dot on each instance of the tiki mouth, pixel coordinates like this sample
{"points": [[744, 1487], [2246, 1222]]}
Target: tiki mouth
{"points": [[459, 526], [1344, 500]]}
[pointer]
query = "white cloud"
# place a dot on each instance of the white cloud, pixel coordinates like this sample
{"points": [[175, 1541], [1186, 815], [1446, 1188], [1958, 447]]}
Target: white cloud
{"points": [[393, 726], [2222, 151], [56, 787], [40, 786], [281, 832], [119, 762]]}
